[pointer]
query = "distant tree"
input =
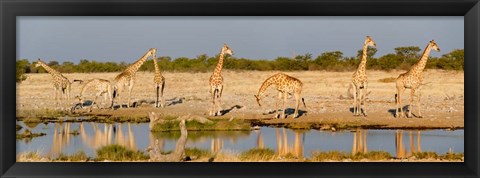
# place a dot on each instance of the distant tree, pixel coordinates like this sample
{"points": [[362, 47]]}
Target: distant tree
{"points": [[408, 52], [22, 66], [329, 59], [371, 51], [53, 63]]}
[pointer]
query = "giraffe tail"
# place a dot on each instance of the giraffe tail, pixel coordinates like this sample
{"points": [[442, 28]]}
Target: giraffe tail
{"points": [[303, 101]]}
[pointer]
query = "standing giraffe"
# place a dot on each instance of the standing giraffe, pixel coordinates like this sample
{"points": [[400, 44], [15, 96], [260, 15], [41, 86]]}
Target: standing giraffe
{"points": [[359, 81], [60, 82], [412, 80], [285, 85], [127, 77], [159, 82], [216, 82], [100, 86]]}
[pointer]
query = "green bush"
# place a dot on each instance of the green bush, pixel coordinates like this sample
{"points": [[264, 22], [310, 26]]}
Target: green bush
{"points": [[403, 58], [22, 67]]}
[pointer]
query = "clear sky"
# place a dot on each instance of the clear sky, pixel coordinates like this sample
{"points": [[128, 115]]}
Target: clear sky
{"points": [[128, 38]]}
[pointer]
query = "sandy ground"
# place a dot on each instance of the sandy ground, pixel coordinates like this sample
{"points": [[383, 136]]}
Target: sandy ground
{"points": [[326, 97]]}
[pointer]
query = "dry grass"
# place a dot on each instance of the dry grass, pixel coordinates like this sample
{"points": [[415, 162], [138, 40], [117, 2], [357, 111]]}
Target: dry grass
{"points": [[387, 80], [257, 154]]}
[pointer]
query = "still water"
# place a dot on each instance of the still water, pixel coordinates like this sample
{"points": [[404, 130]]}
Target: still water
{"points": [[91, 136]]}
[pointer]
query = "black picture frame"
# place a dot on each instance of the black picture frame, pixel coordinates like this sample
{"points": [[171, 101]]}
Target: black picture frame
{"points": [[10, 9]]}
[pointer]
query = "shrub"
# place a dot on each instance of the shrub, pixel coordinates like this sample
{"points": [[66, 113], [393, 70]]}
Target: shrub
{"points": [[119, 153], [79, 156], [258, 154], [330, 155]]}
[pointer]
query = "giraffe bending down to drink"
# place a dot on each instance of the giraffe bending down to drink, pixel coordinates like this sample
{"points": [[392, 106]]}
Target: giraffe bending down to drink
{"points": [[285, 85], [412, 80], [359, 81], [127, 77], [159, 82], [100, 86], [60, 82], [216, 82]]}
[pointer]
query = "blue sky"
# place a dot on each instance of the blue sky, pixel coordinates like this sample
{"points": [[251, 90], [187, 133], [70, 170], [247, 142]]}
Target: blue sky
{"points": [[128, 38]]}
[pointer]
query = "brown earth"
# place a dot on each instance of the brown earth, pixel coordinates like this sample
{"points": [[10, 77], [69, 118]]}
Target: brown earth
{"points": [[326, 97]]}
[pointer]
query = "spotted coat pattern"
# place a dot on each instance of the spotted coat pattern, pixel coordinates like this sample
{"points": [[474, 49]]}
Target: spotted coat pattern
{"points": [[216, 82], [285, 85], [127, 77], [360, 80], [60, 82], [412, 80]]}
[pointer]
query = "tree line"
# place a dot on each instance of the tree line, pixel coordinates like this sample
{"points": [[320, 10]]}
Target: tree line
{"points": [[402, 59]]}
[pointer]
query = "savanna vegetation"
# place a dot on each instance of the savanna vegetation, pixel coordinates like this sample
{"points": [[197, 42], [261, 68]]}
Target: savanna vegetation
{"points": [[403, 58]]}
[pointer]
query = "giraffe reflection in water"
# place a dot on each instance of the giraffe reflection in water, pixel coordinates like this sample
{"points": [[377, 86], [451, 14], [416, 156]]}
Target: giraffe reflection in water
{"points": [[61, 138], [401, 151], [109, 135], [216, 145], [284, 149], [63, 135], [359, 142]]}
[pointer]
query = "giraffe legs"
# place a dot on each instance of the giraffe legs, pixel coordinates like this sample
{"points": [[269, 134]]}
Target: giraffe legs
{"points": [[355, 113], [399, 102], [219, 102], [410, 107], [212, 102], [284, 103], [162, 104], [157, 88], [56, 98], [363, 98], [297, 104], [130, 88], [418, 105], [360, 101], [277, 106], [68, 94]]}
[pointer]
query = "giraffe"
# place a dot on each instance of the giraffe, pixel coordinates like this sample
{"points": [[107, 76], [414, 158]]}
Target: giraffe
{"points": [[412, 80], [286, 85], [159, 82], [127, 77], [100, 86], [359, 80], [216, 82], [60, 82]]}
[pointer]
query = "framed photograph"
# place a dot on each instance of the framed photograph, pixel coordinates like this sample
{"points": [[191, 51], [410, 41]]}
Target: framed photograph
{"points": [[242, 89]]}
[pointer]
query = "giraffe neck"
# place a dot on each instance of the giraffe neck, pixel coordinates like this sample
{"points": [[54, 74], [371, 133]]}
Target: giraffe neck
{"points": [[219, 67], [84, 88], [135, 66], [423, 60], [49, 69], [157, 70], [363, 63], [265, 85]]}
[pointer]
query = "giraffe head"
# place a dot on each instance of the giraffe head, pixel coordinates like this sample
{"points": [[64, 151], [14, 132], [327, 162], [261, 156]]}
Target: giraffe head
{"points": [[154, 52], [369, 42], [37, 64], [434, 46], [258, 99], [227, 50]]}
